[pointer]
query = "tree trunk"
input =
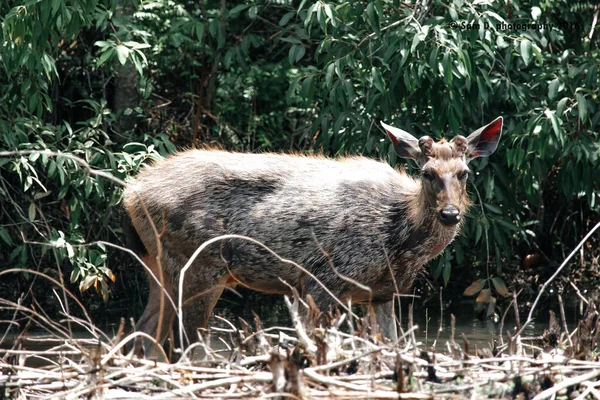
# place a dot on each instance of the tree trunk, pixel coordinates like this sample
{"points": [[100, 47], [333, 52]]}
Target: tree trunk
{"points": [[126, 96]]}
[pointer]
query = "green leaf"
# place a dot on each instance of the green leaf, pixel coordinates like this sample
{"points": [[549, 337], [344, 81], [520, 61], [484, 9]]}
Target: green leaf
{"points": [[553, 89], [5, 236], [75, 274], [493, 208], [446, 273], [286, 18], [237, 9], [300, 53], [415, 42], [433, 59], [373, 20], [292, 90], [138, 45], [478, 232], [102, 43], [349, 91], [199, 28], [307, 87], [551, 115], [49, 65], [329, 14], [31, 212], [483, 91], [296, 53], [500, 286], [16, 251], [526, 51], [89, 184], [51, 168], [538, 56], [508, 225], [309, 13], [500, 42], [122, 53], [329, 74], [41, 195], [291, 39], [447, 63], [581, 106], [322, 17], [561, 105], [378, 79], [138, 64], [252, 12], [459, 253], [34, 100], [105, 56], [453, 13], [337, 125]]}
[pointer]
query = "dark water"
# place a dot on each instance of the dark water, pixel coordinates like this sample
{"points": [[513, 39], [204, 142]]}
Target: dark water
{"points": [[272, 312], [480, 333]]}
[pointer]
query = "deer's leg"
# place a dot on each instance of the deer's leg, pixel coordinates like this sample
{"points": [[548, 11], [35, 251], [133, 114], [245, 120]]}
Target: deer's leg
{"points": [[151, 318], [384, 315], [384, 312], [197, 310], [323, 298]]}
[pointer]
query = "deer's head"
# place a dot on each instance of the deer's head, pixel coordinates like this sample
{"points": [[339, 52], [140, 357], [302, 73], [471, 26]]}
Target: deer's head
{"points": [[444, 165]]}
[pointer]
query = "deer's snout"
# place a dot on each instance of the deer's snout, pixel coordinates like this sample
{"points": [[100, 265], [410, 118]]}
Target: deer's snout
{"points": [[449, 215]]}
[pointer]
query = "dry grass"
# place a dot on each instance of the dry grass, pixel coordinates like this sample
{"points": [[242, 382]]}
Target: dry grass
{"points": [[322, 356]]}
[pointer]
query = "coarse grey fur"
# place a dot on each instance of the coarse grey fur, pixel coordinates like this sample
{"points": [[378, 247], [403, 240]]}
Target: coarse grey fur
{"points": [[372, 223]]}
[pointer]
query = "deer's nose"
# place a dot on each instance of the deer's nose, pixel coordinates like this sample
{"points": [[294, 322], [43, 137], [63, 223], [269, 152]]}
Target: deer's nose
{"points": [[449, 215]]}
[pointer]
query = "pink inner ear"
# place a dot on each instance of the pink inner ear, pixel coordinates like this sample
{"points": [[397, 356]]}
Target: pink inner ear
{"points": [[491, 132], [393, 137]]}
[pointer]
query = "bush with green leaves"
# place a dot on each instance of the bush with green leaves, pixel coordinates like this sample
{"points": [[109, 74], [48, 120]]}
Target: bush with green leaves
{"points": [[54, 206], [53, 102]]}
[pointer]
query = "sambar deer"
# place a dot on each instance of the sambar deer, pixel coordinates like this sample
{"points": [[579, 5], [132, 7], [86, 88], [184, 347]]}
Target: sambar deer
{"points": [[357, 215]]}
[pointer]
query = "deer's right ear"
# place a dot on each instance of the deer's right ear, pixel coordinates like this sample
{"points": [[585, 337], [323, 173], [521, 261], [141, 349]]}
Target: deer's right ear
{"points": [[405, 144]]}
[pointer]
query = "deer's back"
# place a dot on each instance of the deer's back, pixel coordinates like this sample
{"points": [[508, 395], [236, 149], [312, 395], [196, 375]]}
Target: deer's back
{"points": [[299, 206]]}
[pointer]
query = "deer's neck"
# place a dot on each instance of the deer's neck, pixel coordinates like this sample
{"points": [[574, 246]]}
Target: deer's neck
{"points": [[418, 233]]}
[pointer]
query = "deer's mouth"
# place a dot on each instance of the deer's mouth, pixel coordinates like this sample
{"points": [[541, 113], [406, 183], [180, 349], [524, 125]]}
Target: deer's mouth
{"points": [[449, 216]]}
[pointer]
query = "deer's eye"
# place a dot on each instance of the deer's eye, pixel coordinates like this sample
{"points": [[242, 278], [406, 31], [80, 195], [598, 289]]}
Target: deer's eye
{"points": [[462, 175], [427, 175]]}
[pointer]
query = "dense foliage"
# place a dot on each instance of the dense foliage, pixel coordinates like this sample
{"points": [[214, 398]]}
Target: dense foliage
{"points": [[302, 76]]}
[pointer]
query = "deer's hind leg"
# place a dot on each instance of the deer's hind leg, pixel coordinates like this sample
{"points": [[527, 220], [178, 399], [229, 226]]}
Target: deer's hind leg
{"points": [[154, 322], [203, 285]]}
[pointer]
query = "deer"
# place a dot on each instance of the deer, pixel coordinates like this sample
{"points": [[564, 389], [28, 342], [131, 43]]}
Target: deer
{"points": [[374, 224]]}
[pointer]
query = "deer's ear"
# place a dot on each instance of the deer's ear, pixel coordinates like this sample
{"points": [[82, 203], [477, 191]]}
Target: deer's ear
{"points": [[484, 140], [405, 144]]}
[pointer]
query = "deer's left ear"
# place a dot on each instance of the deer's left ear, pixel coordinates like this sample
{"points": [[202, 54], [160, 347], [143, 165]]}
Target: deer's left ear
{"points": [[484, 140]]}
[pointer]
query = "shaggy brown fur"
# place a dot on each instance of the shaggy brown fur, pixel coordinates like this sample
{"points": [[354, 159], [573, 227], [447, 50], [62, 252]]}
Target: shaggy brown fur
{"points": [[358, 215]]}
